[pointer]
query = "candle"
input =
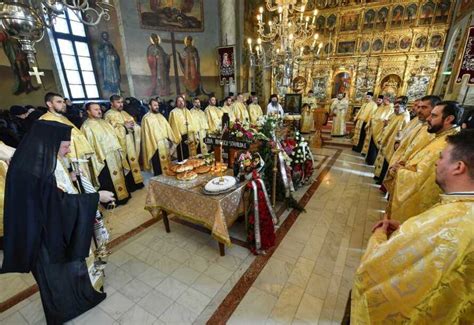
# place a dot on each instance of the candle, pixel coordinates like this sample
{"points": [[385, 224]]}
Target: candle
{"points": [[221, 152], [306, 24], [249, 41], [319, 48], [270, 25]]}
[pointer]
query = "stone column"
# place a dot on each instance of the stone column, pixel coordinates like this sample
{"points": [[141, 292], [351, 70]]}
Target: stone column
{"points": [[228, 10], [267, 86]]}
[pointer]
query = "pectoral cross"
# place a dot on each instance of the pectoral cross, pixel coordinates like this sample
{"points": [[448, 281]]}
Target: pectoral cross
{"points": [[37, 74]]}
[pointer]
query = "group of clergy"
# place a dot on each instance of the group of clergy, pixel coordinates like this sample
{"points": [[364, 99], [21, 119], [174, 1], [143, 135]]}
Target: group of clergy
{"points": [[111, 150], [419, 262]]}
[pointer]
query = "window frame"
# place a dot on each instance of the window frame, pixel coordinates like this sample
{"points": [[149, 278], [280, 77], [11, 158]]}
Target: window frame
{"points": [[60, 63]]}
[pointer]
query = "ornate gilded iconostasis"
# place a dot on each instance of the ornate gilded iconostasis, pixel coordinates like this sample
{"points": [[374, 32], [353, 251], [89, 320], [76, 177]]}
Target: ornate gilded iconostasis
{"points": [[386, 46]]}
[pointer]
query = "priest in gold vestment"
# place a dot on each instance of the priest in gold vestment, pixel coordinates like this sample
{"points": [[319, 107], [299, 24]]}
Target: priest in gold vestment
{"points": [[6, 153], [157, 136], [307, 119], [374, 128], [422, 271], [415, 189], [390, 134], [80, 148], [227, 108], [361, 119], [338, 109], [184, 128], [214, 115], [102, 137], [413, 141], [128, 133], [199, 117], [255, 111], [240, 110], [307, 113]]}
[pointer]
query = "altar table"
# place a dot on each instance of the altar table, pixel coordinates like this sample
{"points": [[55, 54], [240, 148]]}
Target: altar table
{"points": [[186, 200]]}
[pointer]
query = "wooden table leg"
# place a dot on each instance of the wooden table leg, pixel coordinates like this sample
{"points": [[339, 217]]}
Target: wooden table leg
{"points": [[221, 249], [166, 220]]}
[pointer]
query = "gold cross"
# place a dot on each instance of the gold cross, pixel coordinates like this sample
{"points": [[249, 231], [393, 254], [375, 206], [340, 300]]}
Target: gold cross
{"points": [[37, 74]]}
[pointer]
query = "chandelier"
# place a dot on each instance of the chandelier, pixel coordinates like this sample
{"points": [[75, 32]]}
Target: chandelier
{"points": [[285, 38], [26, 20]]}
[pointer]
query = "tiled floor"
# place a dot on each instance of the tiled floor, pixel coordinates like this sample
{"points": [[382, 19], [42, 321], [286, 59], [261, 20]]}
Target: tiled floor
{"points": [[160, 278], [308, 278]]}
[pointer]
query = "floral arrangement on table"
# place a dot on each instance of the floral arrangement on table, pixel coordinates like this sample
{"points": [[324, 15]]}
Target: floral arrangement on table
{"points": [[248, 162], [242, 131], [269, 125]]}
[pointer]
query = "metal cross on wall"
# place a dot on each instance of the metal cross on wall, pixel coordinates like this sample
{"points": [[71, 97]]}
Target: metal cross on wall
{"points": [[36, 73]]}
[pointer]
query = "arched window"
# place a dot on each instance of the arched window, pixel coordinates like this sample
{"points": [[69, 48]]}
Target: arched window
{"points": [[73, 57]]}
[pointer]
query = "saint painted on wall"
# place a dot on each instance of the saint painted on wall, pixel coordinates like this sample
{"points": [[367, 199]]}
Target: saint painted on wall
{"points": [[109, 63], [159, 63], [18, 63], [191, 65]]}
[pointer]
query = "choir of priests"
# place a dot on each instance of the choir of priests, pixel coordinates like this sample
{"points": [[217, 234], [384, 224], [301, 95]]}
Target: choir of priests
{"points": [[418, 263]]}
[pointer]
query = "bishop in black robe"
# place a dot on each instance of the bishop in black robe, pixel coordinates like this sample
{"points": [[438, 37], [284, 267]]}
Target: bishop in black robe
{"points": [[48, 231]]}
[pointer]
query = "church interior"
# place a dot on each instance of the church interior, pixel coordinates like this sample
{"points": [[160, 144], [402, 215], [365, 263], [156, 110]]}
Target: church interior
{"points": [[237, 162]]}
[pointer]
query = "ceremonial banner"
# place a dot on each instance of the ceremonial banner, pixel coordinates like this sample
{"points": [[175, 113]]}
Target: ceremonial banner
{"points": [[467, 59], [226, 57]]}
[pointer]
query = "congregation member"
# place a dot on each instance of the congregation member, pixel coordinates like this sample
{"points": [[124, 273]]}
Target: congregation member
{"points": [[213, 115], [110, 155], [157, 139], [338, 109], [363, 116], [184, 128], [420, 272], [468, 121], [255, 111], [129, 135], [415, 189], [23, 118]]}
